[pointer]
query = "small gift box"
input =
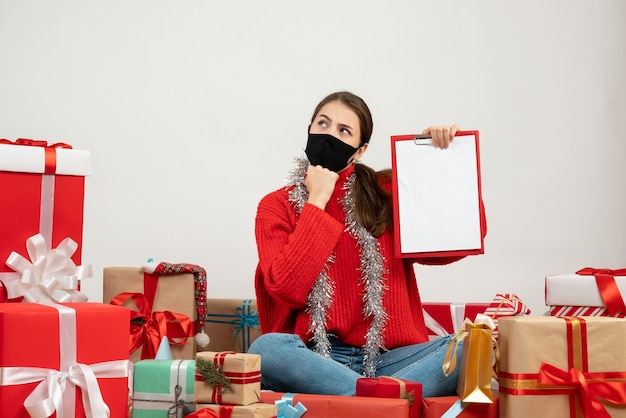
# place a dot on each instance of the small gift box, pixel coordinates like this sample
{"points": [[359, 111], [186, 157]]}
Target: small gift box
{"points": [[324, 406], [504, 305], [74, 371], [451, 407], [42, 189], [163, 385], [255, 410], [562, 367], [588, 292], [447, 318], [227, 378], [164, 305], [391, 387], [232, 324]]}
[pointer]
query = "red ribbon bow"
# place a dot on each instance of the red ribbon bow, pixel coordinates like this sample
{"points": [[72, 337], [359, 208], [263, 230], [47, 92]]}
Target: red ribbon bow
{"points": [[609, 291], [153, 326], [50, 150], [590, 387]]}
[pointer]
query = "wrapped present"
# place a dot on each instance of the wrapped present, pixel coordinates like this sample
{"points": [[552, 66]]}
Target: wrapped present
{"points": [[324, 406], [75, 369], [447, 318], [452, 406], [255, 410], [42, 186], [227, 378], [165, 303], [391, 387], [232, 324], [588, 292], [504, 305], [163, 388], [562, 367]]}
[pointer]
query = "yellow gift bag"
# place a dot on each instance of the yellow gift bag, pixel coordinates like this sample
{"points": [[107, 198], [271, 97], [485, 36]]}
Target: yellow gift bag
{"points": [[477, 360]]}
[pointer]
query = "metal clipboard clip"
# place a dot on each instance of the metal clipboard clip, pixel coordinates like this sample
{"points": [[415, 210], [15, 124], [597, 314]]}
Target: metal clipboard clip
{"points": [[423, 139]]}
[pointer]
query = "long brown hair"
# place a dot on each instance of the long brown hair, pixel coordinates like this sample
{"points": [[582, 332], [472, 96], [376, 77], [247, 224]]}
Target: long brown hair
{"points": [[372, 201]]}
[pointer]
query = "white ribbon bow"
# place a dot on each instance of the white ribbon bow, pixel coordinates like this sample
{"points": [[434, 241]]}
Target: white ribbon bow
{"points": [[49, 276]]}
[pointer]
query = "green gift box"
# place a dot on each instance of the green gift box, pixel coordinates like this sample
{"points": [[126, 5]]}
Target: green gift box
{"points": [[163, 388]]}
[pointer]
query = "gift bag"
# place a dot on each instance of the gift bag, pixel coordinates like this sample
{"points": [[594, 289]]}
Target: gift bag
{"points": [[477, 356]]}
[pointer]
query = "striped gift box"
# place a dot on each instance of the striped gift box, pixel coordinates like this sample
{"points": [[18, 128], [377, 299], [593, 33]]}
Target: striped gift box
{"points": [[583, 311], [505, 304]]}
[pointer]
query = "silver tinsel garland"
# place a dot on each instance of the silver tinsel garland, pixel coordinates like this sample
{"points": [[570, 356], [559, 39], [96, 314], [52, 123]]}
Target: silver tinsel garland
{"points": [[320, 299]]}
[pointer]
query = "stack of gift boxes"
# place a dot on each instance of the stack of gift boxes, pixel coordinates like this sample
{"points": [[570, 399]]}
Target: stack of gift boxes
{"points": [[102, 359]]}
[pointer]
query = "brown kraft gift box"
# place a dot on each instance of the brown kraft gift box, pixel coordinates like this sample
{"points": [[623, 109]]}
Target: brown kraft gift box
{"points": [[562, 367], [175, 293], [231, 324]]}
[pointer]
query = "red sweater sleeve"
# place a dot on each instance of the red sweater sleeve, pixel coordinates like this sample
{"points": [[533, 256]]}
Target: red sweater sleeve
{"points": [[292, 250]]}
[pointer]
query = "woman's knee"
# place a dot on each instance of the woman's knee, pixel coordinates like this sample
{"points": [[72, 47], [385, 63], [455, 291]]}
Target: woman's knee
{"points": [[273, 341]]}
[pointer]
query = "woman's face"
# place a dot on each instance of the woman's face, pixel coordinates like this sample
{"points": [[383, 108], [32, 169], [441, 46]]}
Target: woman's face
{"points": [[340, 121]]}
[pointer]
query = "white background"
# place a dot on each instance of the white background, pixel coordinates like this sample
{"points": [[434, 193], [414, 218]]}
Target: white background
{"points": [[193, 110]]}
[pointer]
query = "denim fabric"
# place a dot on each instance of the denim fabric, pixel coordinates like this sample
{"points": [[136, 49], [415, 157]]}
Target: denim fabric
{"points": [[288, 365]]}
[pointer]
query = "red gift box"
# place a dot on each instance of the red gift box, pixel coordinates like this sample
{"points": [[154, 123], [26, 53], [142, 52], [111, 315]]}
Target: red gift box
{"points": [[391, 387], [41, 191], [437, 406], [74, 350], [324, 406], [447, 318]]}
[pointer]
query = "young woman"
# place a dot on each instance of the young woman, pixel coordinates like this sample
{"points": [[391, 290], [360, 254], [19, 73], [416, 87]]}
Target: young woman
{"points": [[334, 303]]}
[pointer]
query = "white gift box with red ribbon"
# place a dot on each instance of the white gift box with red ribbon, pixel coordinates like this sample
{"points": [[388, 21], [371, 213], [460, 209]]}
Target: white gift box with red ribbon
{"points": [[588, 292]]}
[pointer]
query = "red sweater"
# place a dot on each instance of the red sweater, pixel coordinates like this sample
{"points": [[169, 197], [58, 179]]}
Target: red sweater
{"points": [[293, 251]]}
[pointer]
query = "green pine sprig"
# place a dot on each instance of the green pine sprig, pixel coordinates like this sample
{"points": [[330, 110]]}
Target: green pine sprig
{"points": [[212, 375], [410, 396]]}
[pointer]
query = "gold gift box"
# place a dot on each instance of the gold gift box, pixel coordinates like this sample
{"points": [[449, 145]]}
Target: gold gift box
{"points": [[591, 345], [241, 370], [231, 324], [255, 410], [175, 293]]}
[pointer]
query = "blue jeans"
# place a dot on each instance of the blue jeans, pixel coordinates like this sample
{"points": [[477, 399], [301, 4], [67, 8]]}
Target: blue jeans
{"points": [[288, 365]]}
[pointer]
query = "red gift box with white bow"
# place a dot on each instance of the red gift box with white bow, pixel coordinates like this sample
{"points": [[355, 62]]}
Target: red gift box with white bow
{"points": [[41, 192], [64, 358]]}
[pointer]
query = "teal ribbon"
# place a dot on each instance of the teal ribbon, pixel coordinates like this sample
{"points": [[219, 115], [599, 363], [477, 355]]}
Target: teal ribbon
{"points": [[454, 411], [285, 407], [244, 320]]}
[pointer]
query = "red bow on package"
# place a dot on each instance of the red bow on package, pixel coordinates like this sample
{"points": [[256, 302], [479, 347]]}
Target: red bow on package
{"points": [[148, 328], [590, 387], [605, 279]]}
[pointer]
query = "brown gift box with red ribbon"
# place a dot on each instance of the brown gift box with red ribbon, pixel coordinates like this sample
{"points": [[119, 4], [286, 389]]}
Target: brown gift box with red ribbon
{"points": [[42, 190], [390, 387], [589, 292], [227, 378], [172, 312], [562, 367]]}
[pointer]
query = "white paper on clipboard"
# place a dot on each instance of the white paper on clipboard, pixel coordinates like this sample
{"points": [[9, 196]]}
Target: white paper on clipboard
{"points": [[438, 196]]}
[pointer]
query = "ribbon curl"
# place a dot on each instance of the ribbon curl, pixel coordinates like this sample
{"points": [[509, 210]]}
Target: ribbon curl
{"points": [[590, 387], [49, 276], [148, 328]]}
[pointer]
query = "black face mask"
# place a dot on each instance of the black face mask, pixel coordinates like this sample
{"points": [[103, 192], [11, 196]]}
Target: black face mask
{"points": [[329, 152]]}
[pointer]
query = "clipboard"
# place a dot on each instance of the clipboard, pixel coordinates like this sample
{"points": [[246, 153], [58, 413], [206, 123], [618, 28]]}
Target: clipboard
{"points": [[437, 200]]}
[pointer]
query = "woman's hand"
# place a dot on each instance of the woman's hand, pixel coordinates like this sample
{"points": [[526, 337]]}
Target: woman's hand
{"points": [[320, 182], [442, 135]]}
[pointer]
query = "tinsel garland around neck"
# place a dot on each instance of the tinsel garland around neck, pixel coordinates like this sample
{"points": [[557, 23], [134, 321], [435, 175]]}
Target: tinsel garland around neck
{"points": [[320, 299]]}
